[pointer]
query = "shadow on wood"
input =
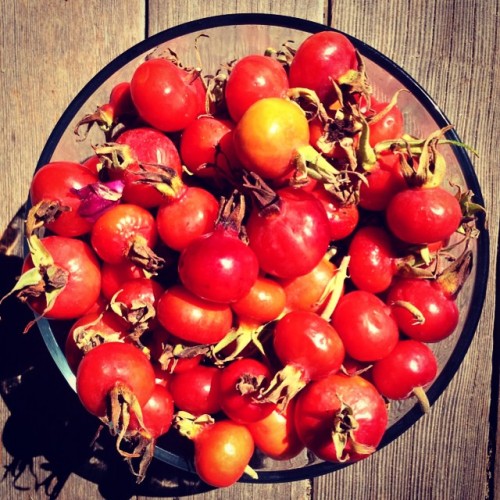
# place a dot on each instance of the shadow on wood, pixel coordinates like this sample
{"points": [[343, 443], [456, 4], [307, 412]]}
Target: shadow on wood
{"points": [[47, 425]]}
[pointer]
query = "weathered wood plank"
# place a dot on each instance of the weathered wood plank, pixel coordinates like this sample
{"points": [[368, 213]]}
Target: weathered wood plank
{"points": [[49, 50], [163, 15]]}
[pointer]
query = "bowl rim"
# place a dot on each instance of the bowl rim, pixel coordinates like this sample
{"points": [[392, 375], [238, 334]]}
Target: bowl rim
{"points": [[482, 264]]}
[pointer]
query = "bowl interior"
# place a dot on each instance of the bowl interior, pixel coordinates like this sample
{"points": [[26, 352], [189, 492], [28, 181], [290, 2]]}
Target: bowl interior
{"points": [[224, 39]]}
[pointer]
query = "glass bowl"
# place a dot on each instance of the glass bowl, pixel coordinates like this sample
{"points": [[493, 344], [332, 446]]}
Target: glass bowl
{"points": [[230, 37]]}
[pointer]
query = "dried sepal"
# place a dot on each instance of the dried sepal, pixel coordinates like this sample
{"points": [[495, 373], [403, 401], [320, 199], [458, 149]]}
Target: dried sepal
{"points": [[42, 213], [343, 434], [43, 279]]}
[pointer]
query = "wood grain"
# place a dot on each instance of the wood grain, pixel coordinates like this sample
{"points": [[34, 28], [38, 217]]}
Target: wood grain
{"points": [[166, 14], [51, 48]]}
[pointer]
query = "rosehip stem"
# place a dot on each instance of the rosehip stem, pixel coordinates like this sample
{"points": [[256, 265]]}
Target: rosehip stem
{"points": [[419, 318], [423, 400]]}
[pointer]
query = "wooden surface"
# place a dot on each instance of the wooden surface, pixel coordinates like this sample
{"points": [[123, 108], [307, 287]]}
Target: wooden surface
{"points": [[51, 48]]}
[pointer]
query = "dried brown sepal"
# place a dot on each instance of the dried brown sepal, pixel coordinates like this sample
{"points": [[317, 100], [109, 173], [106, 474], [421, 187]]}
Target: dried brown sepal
{"points": [[344, 120], [346, 186], [35, 288], [138, 316], [422, 163], [164, 179], [421, 261], [189, 425], [171, 354], [356, 81], [309, 101], [284, 55], [339, 128], [471, 213], [338, 136], [55, 278], [470, 209], [215, 102], [122, 403], [139, 311], [299, 177], [42, 213], [86, 337], [143, 452], [249, 384], [453, 278], [103, 117], [407, 270], [144, 257], [432, 165], [284, 386], [239, 338], [343, 430], [231, 213], [448, 270], [265, 197], [186, 352], [44, 279], [114, 156]]}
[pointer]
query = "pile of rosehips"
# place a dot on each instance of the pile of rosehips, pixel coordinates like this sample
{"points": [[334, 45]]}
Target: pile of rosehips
{"points": [[256, 259]]}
